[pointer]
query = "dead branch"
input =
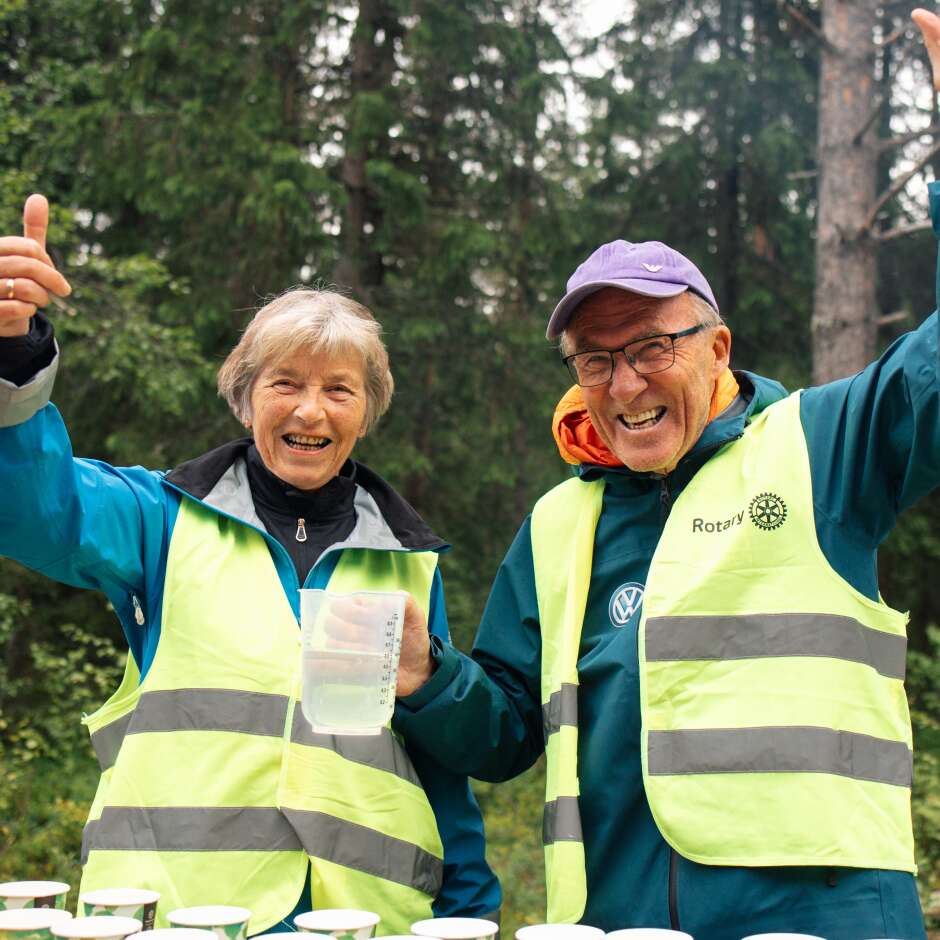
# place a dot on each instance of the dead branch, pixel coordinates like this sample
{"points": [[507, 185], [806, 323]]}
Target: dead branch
{"points": [[807, 23], [897, 186], [889, 143], [872, 117], [897, 317], [892, 37], [803, 175], [900, 230]]}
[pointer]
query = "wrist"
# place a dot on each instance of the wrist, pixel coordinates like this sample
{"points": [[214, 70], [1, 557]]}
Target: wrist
{"points": [[15, 327]]}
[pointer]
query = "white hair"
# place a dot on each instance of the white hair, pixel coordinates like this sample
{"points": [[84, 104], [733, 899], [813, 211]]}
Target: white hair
{"points": [[320, 321]]}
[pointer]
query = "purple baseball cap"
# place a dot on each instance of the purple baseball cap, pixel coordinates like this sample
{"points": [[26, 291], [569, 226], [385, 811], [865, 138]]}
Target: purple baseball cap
{"points": [[649, 268]]}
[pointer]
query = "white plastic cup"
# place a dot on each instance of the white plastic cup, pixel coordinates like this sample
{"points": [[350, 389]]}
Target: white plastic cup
{"points": [[338, 922], [559, 932], [226, 922], [351, 645], [648, 933], [30, 923], [139, 903], [182, 933], [97, 928], [782, 936], [456, 928], [15, 895]]}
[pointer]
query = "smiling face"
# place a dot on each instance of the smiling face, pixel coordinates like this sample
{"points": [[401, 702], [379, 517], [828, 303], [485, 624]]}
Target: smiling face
{"points": [[307, 412], [650, 422]]}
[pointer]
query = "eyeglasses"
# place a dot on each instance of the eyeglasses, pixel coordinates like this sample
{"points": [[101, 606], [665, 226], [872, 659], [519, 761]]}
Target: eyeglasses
{"points": [[646, 356]]}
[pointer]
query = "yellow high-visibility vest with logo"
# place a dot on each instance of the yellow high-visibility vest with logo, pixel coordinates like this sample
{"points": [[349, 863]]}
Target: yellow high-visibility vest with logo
{"points": [[775, 723], [215, 790]]}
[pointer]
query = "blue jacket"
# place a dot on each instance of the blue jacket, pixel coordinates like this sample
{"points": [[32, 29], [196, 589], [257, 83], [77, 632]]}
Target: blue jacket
{"points": [[874, 447], [92, 525]]}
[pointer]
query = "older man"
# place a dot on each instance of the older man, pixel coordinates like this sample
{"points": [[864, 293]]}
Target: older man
{"points": [[691, 628]]}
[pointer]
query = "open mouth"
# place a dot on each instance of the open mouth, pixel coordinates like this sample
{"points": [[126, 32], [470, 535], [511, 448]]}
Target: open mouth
{"points": [[642, 419], [305, 442]]}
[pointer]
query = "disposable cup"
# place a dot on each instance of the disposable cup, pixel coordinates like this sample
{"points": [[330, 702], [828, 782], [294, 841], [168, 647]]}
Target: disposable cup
{"points": [[351, 645], [30, 923], [456, 928], [559, 932], [782, 936], [139, 903], [97, 928], [338, 922], [183, 933], [15, 895], [227, 923], [648, 933], [283, 936]]}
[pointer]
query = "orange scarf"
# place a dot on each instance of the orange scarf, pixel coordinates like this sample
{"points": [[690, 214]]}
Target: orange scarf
{"points": [[578, 440]]}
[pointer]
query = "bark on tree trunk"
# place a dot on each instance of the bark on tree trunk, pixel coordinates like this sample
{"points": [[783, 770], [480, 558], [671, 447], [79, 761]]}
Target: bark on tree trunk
{"points": [[372, 64], [845, 312]]}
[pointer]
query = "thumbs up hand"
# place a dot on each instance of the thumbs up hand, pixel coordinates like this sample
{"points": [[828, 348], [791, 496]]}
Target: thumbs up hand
{"points": [[27, 274], [929, 25]]}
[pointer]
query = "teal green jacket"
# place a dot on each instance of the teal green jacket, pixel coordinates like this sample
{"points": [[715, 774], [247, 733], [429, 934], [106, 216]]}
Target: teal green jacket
{"points": [[874, 447]]}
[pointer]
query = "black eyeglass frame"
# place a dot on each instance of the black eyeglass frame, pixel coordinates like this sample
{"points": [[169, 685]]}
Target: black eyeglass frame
{"points": [[631, 360]]}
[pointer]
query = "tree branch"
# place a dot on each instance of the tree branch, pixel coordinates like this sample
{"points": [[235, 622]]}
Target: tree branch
{"points": [[892, 37], [807, 23], [875, 112], [889, 143], [803, 175], [897, 317], [897, 186], [900, 230]]}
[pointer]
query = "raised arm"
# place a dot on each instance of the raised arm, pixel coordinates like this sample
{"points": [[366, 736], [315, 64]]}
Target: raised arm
{"points": [[78, 521]]}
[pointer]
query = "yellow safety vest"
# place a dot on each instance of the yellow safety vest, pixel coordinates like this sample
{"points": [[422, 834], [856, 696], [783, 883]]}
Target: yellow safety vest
{"points": [[242, 797], [775, 724]]}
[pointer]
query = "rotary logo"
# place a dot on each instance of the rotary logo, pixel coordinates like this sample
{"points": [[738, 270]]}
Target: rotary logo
{"points": [[768, 511]]}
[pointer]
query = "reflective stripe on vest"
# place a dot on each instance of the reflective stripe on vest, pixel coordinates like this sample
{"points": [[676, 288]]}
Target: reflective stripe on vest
{"points": [[775, 722], [211, 754], [262, 829], [247, 713], [562, 575]]}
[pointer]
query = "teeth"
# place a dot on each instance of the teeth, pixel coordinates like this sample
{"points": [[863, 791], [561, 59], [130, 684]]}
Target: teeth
{"points": [[304, 440], [641, 417]]}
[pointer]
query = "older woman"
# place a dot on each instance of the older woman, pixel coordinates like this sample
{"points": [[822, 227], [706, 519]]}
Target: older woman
{"points": [[214, 789]]}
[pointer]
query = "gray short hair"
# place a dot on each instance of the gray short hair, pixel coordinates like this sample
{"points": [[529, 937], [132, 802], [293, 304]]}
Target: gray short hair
{"points": [[316, 320], [699, 306]]}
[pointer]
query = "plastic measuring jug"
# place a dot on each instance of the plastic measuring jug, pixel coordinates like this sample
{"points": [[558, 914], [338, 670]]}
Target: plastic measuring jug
{"points": [[351, 645]]}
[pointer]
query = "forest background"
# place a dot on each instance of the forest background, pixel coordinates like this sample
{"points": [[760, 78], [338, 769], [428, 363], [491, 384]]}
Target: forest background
{"points": [[449, 162]]}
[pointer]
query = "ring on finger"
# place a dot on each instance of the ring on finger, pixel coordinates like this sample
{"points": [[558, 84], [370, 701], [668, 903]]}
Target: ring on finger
{"points": [[11, 289]]}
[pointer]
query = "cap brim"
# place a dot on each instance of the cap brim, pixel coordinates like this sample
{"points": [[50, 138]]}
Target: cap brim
{"points": [[562, 313]]}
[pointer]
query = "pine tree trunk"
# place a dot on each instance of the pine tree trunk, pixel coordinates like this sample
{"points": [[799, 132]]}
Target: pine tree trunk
{"points": [[844, 326]]}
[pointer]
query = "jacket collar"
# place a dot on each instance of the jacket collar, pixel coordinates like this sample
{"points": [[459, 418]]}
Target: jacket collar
{"points": [[384, 519]]}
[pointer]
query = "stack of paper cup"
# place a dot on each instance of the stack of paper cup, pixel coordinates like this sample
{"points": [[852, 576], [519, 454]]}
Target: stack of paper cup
{"points": [[30, 923], [183, 933], [339, 923], [456, 928], [559, 932], [96, 928], [227, 923], [138, 903], [15, 895], [649, 933]]}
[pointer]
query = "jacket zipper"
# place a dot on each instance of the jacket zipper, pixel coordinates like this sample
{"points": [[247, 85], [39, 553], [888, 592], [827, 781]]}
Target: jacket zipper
{"points": [[673, 892], [301, 534], [138, 610], [665, 499]]}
